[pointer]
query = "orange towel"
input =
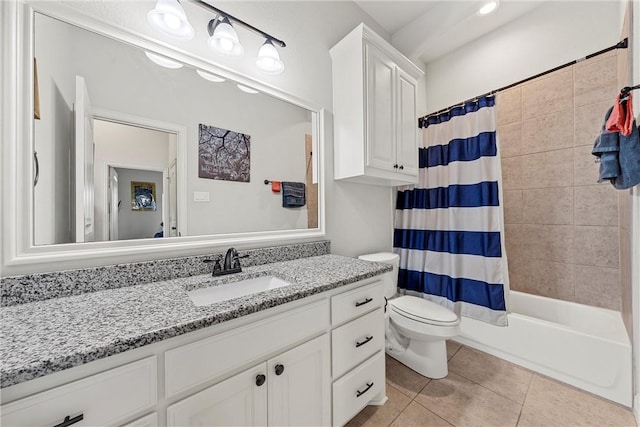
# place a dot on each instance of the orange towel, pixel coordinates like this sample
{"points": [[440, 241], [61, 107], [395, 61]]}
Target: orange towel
{"points": [[275, 186], [621, 118]]}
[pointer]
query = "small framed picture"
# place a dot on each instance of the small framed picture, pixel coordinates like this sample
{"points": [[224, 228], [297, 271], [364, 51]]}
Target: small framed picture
{"points": [[143, 196]]}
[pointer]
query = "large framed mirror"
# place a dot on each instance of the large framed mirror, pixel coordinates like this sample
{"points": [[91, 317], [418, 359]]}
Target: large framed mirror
{"points": [[125, 148]]}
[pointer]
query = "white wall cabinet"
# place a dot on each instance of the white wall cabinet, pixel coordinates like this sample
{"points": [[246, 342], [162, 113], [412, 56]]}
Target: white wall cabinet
{"points": [[278, 367], [375, 113]]}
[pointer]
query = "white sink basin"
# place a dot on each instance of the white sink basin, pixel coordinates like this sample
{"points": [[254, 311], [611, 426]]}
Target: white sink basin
{"points": [[214, 294]]}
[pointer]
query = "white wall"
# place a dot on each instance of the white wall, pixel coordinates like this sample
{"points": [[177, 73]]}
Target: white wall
{"points": [[124, 146], [358, 217], [138, 224], [54, 140], [551, 35]]}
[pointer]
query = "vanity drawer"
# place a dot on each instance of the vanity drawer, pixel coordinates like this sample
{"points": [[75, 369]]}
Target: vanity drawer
{"points": [[356, 341], [103, 399], [355, 390], [349, 305], [194, 364]]}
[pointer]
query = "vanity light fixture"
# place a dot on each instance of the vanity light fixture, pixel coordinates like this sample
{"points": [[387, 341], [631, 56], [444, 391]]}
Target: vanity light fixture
{"points": [[224, 38], [246, 89], [210, 77], [169, 18], [268, 59], [489, 7], [163, 61]]}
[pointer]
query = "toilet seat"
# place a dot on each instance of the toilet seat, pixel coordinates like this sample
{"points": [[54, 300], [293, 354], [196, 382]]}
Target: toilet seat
{"points": [[423, 311]]}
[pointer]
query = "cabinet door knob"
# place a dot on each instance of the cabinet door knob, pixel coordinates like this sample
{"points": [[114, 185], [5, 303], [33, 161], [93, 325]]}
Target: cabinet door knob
{"points": [[395, 166], [279, 369], [260, 379], [401, 167], [69, 421]]}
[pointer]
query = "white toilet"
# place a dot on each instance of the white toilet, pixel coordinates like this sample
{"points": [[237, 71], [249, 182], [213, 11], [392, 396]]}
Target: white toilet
{"points": [[416, 328]]}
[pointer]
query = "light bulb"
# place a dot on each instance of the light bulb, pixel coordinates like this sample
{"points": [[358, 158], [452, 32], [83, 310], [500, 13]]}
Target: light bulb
{"points": [[246, 89], [488, 7], [269, 59], [209, 76], [169, 18], [163, 61], [224, 39]]}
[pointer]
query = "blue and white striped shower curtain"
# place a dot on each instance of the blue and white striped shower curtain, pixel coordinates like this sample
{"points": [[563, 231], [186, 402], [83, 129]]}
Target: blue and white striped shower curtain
{"points": [[448, 226]]}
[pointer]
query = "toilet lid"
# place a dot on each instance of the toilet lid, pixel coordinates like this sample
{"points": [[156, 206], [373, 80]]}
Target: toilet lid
{"points": [[423, 310]]}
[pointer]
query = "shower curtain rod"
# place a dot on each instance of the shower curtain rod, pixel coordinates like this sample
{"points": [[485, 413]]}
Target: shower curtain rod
{"points": [[623, 44]]}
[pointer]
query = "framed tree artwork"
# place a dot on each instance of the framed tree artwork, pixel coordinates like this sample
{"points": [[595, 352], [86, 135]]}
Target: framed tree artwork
{"points": [[223, 154]]}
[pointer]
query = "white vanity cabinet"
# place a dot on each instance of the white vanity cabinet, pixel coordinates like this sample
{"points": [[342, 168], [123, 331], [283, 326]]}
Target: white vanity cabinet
{"points": [[375, 113], [291, 389], [314, 361]]}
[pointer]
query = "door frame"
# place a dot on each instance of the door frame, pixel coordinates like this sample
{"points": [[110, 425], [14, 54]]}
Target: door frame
{"points": [[181, 159]]}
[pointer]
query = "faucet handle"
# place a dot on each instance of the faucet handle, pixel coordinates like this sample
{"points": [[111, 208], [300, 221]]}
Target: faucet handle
{"points": [[216, 266]]}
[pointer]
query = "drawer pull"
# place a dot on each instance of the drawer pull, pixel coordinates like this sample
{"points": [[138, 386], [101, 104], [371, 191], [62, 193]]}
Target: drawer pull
{"points": [[367, 301], [358, 344], [260, 379], [360, 393], [69, 421], [279, 369]]}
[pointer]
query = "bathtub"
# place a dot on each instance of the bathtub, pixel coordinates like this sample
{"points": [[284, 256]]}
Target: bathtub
{"points": [[584, 346]]}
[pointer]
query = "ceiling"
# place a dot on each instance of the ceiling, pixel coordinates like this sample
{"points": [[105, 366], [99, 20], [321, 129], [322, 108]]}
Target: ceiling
{"points": [[424, 30]]}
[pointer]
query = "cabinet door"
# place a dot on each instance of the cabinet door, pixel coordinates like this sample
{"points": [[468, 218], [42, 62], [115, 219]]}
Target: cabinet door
{"points": [[300, 385], [238, 401], [380, 118], [407, 141]]}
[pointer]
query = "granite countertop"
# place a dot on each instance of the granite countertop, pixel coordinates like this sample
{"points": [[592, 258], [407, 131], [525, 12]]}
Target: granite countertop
{"points": [[44, 337]]}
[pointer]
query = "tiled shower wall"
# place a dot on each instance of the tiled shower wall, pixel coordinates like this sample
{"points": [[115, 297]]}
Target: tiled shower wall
{"points": [[562, 227]]}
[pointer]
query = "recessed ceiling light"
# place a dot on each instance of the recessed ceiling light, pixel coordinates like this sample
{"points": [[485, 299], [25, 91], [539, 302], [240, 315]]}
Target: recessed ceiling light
{"points": [[163, 61], [489, 7], [209, 76], [246, 89]]}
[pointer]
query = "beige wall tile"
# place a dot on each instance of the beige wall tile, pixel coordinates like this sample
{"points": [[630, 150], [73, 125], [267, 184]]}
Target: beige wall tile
{"points": [[563, 405], [464, 403], [375, 416], [511, 173], [596, 245], [585, 168], [500, 376], [548, 206], [405, 380], [513, 206], [518, 270], [598, 286], [596, 80], [626, 291], [589, 120], [549, 132], [549, 242], [510, 139], [548, 94], [596, 205], [550, 169], [515, 236], [624, 209], [418, 416], [509, 106], [550, 279]]}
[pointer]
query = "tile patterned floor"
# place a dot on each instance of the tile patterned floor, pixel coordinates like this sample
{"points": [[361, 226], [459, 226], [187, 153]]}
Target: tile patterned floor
{"points": [[482, 390]]}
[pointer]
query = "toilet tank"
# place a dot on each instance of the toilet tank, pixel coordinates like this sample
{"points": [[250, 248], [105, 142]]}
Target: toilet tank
{"points": [[390, 279]]}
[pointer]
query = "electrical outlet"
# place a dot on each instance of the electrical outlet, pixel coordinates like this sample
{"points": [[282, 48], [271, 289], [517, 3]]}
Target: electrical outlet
{"points": [[201, 196]]}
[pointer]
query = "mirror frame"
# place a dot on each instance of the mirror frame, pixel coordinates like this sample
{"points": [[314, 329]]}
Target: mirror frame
{"points": [[19, 254]]}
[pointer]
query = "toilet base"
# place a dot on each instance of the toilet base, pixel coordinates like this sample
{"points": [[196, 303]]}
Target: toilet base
{"points": [[428, 358]]}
